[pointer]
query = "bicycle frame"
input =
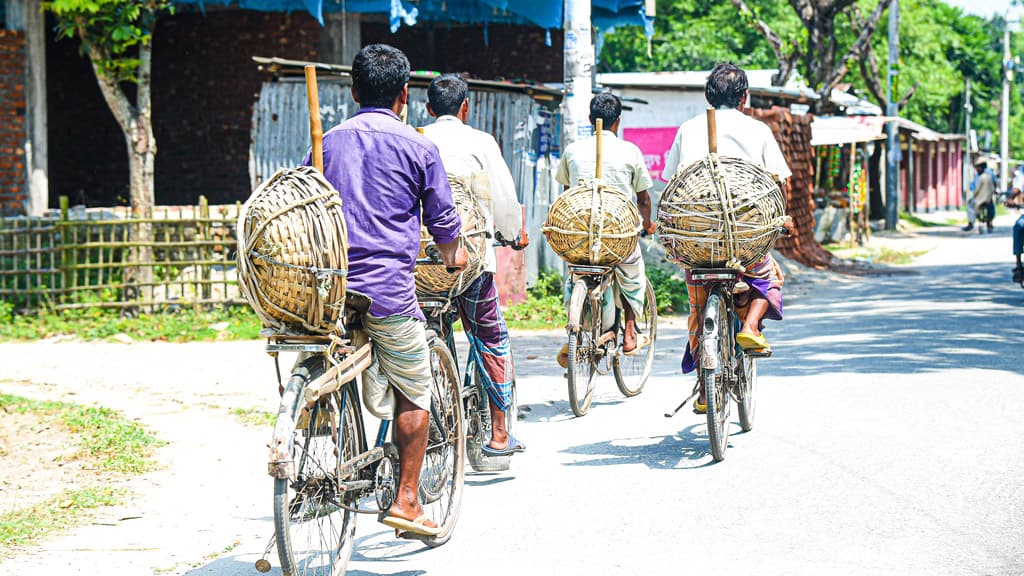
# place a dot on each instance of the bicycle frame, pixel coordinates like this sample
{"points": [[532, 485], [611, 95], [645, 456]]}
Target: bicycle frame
{"points": [[598, 279]]}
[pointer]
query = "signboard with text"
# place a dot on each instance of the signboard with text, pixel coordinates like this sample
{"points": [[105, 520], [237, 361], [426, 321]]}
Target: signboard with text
{"points": [[654, 143]]}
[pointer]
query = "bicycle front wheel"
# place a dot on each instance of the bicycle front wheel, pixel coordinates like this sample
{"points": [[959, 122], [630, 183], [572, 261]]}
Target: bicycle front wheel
{"points": [[315, 535], [716, 339], [748, 386], [632, 371], [443, 470], [582, 351]]}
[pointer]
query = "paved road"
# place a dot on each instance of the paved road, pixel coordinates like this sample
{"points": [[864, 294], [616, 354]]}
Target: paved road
{"points": [[889, 440]]}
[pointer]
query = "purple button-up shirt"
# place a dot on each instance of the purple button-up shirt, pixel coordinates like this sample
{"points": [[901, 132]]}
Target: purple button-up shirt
{"points": [[386, 174]]}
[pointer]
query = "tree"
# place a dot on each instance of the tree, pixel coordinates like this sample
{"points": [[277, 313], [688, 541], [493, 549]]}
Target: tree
{"points": [[117, 37]]}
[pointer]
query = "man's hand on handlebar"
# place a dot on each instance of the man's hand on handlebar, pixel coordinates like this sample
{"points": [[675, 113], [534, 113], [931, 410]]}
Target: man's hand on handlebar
{"points": [[788, 228], [650, 227], [453, 255], [518, 243]]}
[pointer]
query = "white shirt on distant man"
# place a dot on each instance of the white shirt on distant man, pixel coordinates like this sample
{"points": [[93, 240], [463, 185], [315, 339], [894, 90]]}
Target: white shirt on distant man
{"points": [[468, 152]]}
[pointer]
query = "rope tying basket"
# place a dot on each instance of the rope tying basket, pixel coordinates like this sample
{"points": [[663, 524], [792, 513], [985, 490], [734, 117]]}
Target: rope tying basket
{"points": [[293, 252], [593, 224], [720, 212], [433, 279]]}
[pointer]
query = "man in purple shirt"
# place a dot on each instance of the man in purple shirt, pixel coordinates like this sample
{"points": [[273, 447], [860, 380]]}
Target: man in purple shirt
{"points": [[387, 175]]}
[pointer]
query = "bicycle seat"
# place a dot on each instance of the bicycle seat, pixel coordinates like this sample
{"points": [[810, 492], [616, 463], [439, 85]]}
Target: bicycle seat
{"points": [[714, 274], [589, 270]]}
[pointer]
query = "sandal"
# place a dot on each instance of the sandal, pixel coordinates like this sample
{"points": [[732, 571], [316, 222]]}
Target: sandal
{"points": [[417, 526]]}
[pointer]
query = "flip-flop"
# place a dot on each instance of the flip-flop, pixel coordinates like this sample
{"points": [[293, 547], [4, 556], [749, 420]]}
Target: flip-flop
{"points": [[417, 526], [643, 341], [699, 408], [749, 341], [514, 446]]}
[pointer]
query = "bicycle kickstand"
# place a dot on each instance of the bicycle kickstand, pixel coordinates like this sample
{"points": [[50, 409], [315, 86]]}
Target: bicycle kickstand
{"points": [[684, 403]]}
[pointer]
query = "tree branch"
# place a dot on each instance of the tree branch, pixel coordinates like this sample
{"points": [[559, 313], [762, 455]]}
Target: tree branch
{"points": [[859, 46], [869, 64], [906, 97], [804, 10], [787, 62], [118, 103]]}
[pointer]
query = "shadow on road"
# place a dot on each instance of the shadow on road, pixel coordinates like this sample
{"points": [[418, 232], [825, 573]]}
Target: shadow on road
{"points": [[905, 324], [686, 449]]}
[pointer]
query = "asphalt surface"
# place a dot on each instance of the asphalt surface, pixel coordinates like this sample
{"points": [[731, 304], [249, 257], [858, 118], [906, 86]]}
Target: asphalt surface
{"points": [[889, 440]]}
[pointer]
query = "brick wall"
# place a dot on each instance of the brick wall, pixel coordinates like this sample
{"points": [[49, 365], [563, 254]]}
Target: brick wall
{"points": [[794, 136], [204, 84], [12, 121], [512, 52]]}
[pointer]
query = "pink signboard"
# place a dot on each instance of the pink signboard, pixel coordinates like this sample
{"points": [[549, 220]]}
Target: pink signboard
{"points": [[654, 143]]}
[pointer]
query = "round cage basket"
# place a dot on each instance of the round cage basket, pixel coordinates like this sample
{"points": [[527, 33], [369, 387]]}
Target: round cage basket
{"points": [[434, 279], [293, 252], [720, 212], [593, 224]]}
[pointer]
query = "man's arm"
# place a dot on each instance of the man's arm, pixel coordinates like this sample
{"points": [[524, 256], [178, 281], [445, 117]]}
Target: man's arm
{"points": [[642, 183], [508, 214], [672, 159]]}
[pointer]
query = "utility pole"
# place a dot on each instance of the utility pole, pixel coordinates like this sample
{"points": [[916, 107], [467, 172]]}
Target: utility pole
{"points": [[892, 158], [1004, 109], [967, 169], [578, 65]]}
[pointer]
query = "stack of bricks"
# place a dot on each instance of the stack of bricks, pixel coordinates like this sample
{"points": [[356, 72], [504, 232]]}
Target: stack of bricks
{"points": [[12, 121], [794, 136]]}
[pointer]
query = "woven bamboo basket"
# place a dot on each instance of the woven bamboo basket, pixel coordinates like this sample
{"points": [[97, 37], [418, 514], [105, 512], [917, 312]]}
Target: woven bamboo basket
{"points": [[433, 279], [593, 224], [720, 212], [293, 252]]}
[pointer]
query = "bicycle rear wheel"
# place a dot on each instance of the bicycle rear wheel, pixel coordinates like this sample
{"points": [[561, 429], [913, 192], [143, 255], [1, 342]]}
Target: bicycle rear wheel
{"points": [[631, 372], [582, 351], [716, 340], [443, 471], [747, 389], [315, 535]]}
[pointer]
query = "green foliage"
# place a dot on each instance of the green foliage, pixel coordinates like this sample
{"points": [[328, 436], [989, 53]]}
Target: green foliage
{"points": [[110, 30], [254, 417], [669, 291], [232, 323]]}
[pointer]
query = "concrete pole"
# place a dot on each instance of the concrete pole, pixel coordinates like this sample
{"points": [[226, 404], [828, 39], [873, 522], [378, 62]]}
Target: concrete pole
{"points": [[892, 158], [578, 68], [1004, 111], [966, 167]]}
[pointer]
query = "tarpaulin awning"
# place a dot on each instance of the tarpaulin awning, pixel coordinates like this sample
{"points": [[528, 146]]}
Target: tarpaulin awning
{"points": [[543, 13]]}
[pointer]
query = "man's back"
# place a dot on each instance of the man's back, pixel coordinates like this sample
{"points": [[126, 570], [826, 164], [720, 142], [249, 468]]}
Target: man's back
{"points": [[985, 189], [622, 164], [385, 174], [739, 136]]}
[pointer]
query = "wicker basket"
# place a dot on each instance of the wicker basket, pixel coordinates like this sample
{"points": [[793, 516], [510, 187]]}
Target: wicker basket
{"points": [[593, 224], [720, 212], [432, 279], [293, 252]]}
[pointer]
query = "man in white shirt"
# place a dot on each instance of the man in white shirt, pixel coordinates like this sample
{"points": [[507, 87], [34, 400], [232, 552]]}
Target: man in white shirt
{"points": [[622, 167], [474, 157], [743, 137]]}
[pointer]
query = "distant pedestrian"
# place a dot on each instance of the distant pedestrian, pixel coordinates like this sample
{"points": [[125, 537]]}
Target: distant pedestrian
{"points": [[972, 206], [984, 197]]}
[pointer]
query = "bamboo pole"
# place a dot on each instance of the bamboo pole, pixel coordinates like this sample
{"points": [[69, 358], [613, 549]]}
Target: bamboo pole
{"points": [[712, 132], [316, 131], [597, 166]]}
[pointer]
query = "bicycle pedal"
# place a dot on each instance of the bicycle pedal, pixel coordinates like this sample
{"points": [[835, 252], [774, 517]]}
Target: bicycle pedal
{"points": [[758, 353]]}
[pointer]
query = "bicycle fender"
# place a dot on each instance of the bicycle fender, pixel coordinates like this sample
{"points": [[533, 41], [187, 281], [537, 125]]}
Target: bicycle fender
{"points": [[709, 336], [579, 294]]}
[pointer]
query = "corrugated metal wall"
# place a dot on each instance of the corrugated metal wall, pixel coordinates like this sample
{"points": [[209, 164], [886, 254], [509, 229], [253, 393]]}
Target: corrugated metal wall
{"points": [[526, 131]]}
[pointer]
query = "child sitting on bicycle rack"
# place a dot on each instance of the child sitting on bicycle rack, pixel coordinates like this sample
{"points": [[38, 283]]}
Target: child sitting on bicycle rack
{"points": [[474, 155], [623, 167], [739, 136], [386, 173]]}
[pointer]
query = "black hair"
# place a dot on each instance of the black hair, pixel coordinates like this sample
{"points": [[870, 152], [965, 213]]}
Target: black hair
{"points": [[446, 94], [607, 107], [726, 86], [379, 72]]}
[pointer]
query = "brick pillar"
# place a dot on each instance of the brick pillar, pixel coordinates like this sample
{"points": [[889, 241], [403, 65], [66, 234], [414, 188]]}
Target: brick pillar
{"points": [[12, 121]]}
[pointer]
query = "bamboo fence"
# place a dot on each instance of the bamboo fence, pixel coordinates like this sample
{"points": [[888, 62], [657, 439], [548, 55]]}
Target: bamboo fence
{"points": [[85, 259]]}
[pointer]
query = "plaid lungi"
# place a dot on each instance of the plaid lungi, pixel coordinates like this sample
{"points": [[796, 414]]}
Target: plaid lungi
{"points": [[489, 345]]}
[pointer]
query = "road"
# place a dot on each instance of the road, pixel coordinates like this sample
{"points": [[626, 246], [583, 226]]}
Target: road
{"points": [[888, 440]]}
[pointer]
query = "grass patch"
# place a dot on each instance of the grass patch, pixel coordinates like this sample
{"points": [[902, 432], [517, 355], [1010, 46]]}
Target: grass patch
{"points": [[917, 221], [112, 442], [543, 307], [67, 509], [254, 417], [883, 255], [669, 291], [232, 323]]}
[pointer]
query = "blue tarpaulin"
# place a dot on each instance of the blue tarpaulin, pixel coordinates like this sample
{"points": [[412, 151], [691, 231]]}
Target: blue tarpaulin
{"points": [[544, 13]]}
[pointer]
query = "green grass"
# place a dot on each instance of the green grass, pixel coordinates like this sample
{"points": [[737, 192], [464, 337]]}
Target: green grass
{"points": [[57, 514], [254, 417], [669, 291], [915, 220], [232, 323], [105, 438], [883, 255]]}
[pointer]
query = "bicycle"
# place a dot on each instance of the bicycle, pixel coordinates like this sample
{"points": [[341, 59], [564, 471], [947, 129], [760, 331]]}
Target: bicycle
{"points": [[322, 467], [441, 314], [591, 343]]}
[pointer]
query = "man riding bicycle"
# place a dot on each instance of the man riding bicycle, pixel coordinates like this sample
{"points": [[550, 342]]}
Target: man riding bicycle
{"points": [[739, 136], [622, 167], [387, 174], [474, 157]]}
